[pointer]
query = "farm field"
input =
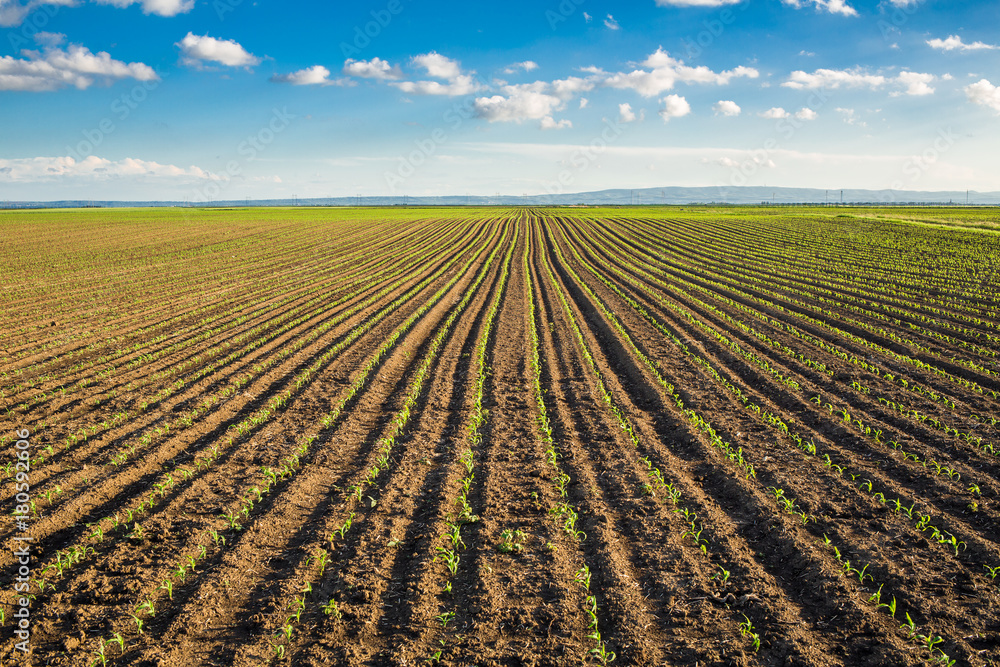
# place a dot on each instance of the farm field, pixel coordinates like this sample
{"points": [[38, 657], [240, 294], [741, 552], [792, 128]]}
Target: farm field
{"points": [[647, 436]]}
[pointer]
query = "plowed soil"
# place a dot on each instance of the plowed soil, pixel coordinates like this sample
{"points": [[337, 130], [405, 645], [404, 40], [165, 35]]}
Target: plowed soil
{"points": [[316, 437]]}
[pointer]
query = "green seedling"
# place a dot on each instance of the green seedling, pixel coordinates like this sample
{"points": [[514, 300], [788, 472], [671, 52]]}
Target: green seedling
{"points": [[747, 630]]}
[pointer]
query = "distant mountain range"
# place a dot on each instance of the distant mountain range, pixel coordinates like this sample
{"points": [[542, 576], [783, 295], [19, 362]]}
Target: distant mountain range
{"points": [[617, 197]]}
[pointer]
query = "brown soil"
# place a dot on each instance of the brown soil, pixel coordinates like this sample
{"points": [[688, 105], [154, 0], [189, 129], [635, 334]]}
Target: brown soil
{"points": [[677, 324]]}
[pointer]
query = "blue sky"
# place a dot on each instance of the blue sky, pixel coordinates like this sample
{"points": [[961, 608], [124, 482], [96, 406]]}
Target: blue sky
{"points": [[224, 99]]}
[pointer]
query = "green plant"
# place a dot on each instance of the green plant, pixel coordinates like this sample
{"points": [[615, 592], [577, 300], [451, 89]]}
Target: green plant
{"points": [[510, 541], [747, 630]]}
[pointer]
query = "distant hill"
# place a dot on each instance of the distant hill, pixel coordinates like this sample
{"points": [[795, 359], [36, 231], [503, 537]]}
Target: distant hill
{"points": [[615, 197]]}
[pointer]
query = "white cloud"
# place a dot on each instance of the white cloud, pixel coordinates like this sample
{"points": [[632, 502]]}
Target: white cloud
{"points": [[985, 94], [13, 12], [832, 6], [202, 48], [587, 17], [674, 106], [548, 123], [726, 108], [774, 113], [584, 102], [534, 101], [522, 102], [805, 113], [157, 7], [49, 39], [625, 113], [611, 23], [376, 68], [954, 42], [850, 117], [440, 67], [527, 66], [665, 71], [570, 87], [317, 75], [93, 168], [75, 66], [461, 85], [829, 78], [916, 83], [807, 54], [437, 66], [695, 3]]}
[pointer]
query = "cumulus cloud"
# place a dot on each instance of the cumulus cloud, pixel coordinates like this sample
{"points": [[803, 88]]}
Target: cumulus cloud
{"points": [[584, 102], [157, 7], [954, 42], [518, 104], [777, 113], [437, 66], [833, 6], [570, 87], [198, 49], [54, 68], [662, 72], [13, 12], [829, 78], [774, 113], [460, 85], [625, 113], [611, 23], [674, 106], [726, 108], [50, 39], [549, 123], [376, 68], [850, 117], [534, 101], [526, 66], [916, 83], [317, 75], [93, 168], [913, 83], [985, 94]]}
